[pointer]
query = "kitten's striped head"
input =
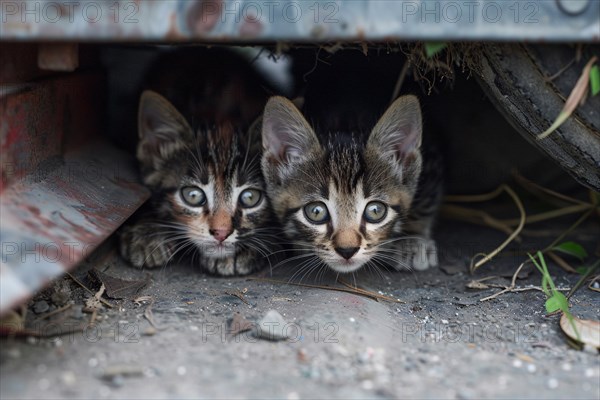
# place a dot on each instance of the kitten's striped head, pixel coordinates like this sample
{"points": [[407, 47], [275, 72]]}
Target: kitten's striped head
{"points": [[207, 184], [346, 195]]}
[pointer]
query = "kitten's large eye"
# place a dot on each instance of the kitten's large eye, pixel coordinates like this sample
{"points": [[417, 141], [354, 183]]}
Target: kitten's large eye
{"points": [[375, 211], [193, 196], [250, 198], [316, 212]]}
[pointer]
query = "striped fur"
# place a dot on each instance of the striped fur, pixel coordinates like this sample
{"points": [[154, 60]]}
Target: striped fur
{"points": [[351, 172], [217, 161]]}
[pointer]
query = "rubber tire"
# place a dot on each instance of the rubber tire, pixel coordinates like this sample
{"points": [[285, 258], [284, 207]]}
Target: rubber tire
{"points": [[514, 76]]}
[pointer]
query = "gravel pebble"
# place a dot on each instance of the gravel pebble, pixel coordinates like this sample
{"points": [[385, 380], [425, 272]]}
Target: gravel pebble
{"points": [[552, 383], [271, 327]]}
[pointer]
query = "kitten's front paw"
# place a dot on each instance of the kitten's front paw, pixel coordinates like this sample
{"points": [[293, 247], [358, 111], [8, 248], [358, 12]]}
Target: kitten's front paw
{"points": [[220, 266], [242, 263], [143, 247], [417, 254]]}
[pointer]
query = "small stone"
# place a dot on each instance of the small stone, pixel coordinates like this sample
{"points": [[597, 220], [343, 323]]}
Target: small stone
{"points": [[517, 363], [271, 327], [117, 381], [531, 368], [181, 370], [69, 378], [40, 307], [149, 331], [552, 383]]}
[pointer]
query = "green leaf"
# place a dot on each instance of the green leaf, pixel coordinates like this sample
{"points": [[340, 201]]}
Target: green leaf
{"points": [[595, 80], [582, 270], [545, 286], [552, 305], [558, 301], [432, 48], [572, 249], [536, 264]]}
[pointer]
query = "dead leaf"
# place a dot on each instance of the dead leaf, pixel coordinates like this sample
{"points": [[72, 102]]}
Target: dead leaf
{"points": [[124, 370], [117, 288], [239, 324], [139, 300], [148, 311], [525, 357], [589, 331], [575, 98], [348, 289], [90, 291], [239, 295], [93, 303], [365, 48], [477, 285], [274, 298]]}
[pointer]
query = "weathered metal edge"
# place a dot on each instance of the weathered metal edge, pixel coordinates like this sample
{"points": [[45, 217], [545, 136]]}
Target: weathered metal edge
{"points": [[49, 226], [248, 21]]}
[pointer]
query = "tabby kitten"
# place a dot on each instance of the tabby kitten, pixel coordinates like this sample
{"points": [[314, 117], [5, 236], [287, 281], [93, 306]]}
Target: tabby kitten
{"points": [[349, 199], [208, 195]]}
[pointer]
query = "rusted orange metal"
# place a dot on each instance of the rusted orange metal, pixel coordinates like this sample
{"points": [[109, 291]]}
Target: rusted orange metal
{"points": [[63, 189]]}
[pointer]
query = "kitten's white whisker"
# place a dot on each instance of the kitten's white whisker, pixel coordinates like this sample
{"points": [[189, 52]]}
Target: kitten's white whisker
{"points": [[288, 260], [305, 265]]}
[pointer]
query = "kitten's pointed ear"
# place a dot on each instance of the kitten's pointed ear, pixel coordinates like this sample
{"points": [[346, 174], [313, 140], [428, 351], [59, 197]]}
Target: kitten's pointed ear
{"points": [[162, 129], [286, 135], [398, 132]]}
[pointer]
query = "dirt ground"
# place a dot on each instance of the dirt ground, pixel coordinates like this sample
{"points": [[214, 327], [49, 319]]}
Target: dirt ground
{"points": [[440, 342]]}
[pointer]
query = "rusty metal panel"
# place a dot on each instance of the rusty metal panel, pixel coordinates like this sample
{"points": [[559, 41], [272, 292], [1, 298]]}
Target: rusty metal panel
{"points": [[18, 64], [63, 190], [39, 121], [48, 226], [299, 20]]}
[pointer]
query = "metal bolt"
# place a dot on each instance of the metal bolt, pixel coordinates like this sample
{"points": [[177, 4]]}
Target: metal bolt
{"points": [[573, 7]]}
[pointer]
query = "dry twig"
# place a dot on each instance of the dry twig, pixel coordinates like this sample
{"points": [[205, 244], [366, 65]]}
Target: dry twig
{"points": [[360, 292]]}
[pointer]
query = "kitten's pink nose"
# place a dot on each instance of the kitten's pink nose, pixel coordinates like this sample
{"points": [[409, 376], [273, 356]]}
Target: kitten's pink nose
{"points": [[220, 233]]}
